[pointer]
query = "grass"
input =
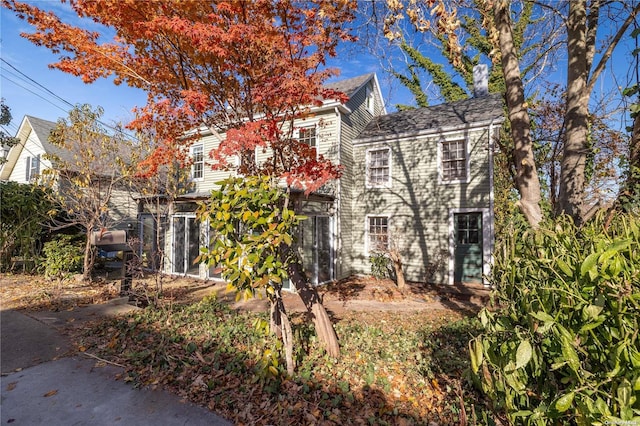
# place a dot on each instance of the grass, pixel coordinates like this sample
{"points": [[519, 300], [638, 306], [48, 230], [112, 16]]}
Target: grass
{"points": [[395, 368]]}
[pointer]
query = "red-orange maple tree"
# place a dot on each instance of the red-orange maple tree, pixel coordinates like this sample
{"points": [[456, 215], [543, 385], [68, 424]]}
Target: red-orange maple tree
{"points": [[251, 66], [245, 68]]}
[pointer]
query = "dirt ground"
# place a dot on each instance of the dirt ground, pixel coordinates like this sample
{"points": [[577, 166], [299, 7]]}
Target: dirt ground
{"points": [[357, 293]]}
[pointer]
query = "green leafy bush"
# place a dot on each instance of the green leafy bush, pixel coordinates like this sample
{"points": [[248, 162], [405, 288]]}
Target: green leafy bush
{"points": [[561, 345], [380, 265], [24, 212], [63, 257]]}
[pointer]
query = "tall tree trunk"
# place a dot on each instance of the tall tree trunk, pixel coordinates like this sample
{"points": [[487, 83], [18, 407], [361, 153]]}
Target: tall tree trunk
{"points": [[572, 172], [527, 180], [634, 157], [87, 265], [281, 327], [630, 194], [396, 259], [311, 299]]}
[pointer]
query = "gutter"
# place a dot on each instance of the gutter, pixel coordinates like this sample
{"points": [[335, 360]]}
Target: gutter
{"points": [[439, 131]]}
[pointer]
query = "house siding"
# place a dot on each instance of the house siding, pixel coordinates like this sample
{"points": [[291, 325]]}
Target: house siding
{"points": [[123, 209], [351, 125], [210, 176], [32, 148], [418, 203]]}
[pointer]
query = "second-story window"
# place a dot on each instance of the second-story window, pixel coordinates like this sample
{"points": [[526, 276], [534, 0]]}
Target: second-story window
{"points": [[33, 167], [454, 160], [379, 168], [369, 98], [197, 156], [307, 135]]}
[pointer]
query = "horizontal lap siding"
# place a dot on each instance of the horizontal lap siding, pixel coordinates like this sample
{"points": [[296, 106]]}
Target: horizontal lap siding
{"points": [[351, 126], [32, 148], [418, 204], [211, 176], [123, 209]]}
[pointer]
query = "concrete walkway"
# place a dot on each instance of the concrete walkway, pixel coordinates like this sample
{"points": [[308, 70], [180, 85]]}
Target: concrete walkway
{"points": [[45, 382]]}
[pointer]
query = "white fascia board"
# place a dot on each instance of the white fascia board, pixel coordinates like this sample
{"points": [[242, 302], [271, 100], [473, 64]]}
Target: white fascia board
{"points": [[22, 134], [379, 92]]}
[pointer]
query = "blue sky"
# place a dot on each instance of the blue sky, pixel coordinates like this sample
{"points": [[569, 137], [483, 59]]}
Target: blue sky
{"points": [[28, 98], [35, 98]]}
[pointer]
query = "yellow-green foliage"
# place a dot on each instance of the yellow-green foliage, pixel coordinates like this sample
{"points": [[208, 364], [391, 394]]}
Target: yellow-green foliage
{"points": [[251, 227], [561, 345], [63, 257]]}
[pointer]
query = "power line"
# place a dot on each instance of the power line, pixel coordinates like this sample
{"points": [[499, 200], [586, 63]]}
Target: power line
{"points": [[34, 82], [36, 94], [38, 84]]}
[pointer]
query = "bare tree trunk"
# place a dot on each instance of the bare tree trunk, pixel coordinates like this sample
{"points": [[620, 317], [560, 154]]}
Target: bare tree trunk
{"points": [[311, 299], [396, 259], [633, 181], [630, 193], [87, 264], [281, 327], [527, 180], [572, 172]]}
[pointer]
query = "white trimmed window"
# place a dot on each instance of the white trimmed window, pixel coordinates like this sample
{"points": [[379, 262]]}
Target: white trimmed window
{"points": [[454, 160], [307, 135], [197, 158], [32, 168], [369, 98], [377, 234], [379, 168]]}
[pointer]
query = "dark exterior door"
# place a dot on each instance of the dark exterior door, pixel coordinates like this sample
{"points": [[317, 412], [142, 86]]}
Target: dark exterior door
{"points": [[468, 262]]}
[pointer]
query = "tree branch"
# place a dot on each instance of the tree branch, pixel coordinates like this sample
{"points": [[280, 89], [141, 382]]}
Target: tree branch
{"points": [[607, 54]]}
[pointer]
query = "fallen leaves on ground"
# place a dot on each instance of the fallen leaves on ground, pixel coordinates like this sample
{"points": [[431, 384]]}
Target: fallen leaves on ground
{"points": [[35, 293], [395, 368]]}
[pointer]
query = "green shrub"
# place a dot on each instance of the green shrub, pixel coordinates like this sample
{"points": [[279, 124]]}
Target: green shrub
{"points": [[63, 257], [561, 345], [380, 265], [25, 211]]}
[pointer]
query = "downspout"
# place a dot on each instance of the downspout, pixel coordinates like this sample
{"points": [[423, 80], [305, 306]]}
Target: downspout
{"points": [[491, 199], [336, 231]]}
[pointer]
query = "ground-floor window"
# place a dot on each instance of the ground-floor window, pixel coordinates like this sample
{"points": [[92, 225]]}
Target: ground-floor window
{"points": [[377, 234], [186, 245], [151, 240], [214, 271], [317, 249]]}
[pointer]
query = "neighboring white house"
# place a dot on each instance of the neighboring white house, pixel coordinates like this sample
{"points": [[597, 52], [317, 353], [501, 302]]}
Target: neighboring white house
{"points": [[28, 159], [420, 179]]}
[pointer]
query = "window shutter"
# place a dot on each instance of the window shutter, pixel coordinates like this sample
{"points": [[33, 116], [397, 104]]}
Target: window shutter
{"points": [[27, 168], [37, 165]]}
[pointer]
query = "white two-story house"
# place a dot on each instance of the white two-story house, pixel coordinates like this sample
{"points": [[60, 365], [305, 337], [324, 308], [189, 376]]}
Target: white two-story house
{"points": [[35, 160], [418, 180]]}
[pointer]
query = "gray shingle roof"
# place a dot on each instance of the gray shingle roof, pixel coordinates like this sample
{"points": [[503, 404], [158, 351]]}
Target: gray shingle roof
{"points": [[42, 129], [350, 85], [435, 118]]}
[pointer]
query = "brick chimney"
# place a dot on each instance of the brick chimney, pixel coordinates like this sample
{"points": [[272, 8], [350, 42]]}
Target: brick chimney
{"points": [[480, 80]]}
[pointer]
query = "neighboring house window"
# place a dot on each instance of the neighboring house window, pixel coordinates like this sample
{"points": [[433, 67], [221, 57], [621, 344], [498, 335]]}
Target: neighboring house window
{"points": [[379, 168], [197, 156], [369, 97], [33, 167], [307, 135], [377, 233], [454, 160]]}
